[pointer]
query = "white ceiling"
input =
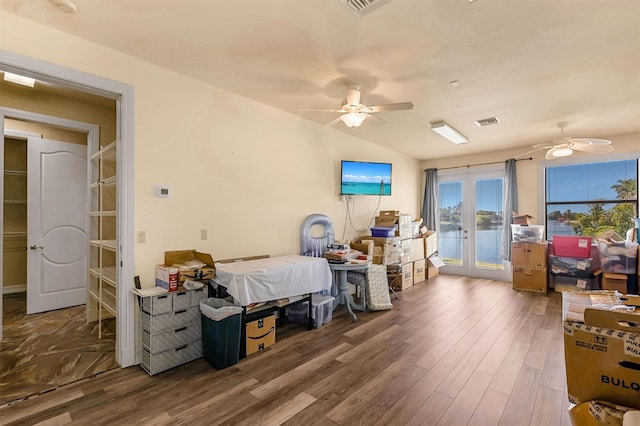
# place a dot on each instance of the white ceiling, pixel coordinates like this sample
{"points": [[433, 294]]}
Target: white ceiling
{"points": [[532, 63]]}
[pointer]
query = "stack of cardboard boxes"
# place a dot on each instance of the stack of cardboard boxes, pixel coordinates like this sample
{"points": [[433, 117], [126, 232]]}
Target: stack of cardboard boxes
{"points": [[602, 354], [406, 257], [529, 262]]}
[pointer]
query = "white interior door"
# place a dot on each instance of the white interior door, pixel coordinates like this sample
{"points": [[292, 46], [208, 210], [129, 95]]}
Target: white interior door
{"points": [[470, 228], [57, 220]]}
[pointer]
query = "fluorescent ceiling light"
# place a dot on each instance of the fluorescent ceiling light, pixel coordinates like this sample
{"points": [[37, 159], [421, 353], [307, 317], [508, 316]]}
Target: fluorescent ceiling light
{"points": [[19, 79], [353, 119], [446, 131]]}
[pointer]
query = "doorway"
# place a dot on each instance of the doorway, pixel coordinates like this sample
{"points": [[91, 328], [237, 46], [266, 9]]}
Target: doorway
{"points": [[122, 94], [471, 223]]}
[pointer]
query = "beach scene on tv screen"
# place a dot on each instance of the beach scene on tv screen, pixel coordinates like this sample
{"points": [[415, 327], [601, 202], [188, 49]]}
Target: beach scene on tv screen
{"points": [[360, 178]]}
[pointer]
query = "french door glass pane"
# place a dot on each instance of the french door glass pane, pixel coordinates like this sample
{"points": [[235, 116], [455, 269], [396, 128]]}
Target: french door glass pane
{"points": [[489, 223], [450, 238]]}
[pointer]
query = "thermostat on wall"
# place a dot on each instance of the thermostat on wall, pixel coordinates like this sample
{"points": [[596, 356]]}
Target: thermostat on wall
{"points": [[163, 191]]}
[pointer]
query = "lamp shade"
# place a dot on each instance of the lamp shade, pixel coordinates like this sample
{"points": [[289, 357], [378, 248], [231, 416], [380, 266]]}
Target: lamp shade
{"points": [[353, 119]]}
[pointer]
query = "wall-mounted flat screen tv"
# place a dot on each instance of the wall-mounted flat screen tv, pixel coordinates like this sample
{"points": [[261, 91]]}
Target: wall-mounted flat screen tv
{"points": [[365, 178]]}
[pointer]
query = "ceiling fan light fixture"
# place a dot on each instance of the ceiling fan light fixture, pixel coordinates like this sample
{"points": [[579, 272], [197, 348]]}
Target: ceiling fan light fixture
{"points": [[564, 151], [448, 132], [353, 119]]}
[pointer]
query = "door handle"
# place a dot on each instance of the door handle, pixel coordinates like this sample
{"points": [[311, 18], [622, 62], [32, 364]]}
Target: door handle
{"points": [[35, 247]]}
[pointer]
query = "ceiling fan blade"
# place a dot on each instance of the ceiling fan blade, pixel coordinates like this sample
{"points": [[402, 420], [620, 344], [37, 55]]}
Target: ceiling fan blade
{"points": [[380, 120], [594, 149], [319, 110], [334, 121], [589, 141], [389, 107]]}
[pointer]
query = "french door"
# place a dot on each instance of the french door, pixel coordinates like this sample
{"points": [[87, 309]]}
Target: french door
{"points": [[471, 223]]}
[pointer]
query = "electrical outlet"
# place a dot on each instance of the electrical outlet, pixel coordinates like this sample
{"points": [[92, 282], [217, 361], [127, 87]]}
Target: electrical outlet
{"points": [[142, 237], [203, 234]]}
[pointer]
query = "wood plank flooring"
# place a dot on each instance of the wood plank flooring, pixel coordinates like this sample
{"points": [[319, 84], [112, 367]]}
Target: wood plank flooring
{"points": [[452, 351], [40, 352]]}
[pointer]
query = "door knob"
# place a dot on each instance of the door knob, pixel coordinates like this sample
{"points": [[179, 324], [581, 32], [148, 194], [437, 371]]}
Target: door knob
{"points": [[35, 247]]}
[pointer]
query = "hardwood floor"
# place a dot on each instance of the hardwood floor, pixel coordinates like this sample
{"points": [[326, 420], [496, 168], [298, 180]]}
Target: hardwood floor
{"points": [[452, 351]]}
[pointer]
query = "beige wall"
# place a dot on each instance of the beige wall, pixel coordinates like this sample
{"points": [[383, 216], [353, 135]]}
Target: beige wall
{"points": [[247, 173], [529, 179]]}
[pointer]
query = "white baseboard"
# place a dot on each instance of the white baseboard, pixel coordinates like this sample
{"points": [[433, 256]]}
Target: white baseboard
{"points": [[9, 289]]}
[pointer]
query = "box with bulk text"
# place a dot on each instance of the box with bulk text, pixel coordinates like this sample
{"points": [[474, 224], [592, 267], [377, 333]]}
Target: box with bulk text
{"points": [[602, 354]]}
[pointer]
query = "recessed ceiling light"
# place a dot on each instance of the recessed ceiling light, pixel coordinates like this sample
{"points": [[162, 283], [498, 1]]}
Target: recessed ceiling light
{"points": [[66, 6]]}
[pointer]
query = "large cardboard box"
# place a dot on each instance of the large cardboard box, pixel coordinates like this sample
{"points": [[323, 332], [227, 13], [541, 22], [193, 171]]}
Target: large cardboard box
{"points": [[261, 333], [602, 355], [530, 254], [182, 259], [430, 243], [404, 280], [530, 278], [417, 249], [611, 281], [419, 271]]}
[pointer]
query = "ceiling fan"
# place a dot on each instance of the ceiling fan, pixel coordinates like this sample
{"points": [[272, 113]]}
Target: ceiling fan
{"points": [[564, 146], [353, 112]]}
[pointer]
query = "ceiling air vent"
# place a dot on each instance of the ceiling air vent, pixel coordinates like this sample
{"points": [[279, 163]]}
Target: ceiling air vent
{"points": [[361, 7], [487, 121]]}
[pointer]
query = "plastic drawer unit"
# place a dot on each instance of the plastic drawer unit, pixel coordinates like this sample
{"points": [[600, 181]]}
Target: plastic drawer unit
{"points": [[171, 329]]}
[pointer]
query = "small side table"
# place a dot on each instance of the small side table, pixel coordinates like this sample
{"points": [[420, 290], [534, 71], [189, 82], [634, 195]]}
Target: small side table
{"points": [[340, 271]]}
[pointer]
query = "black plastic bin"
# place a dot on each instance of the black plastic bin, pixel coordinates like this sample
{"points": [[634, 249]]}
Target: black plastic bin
{"points": [[221, 327]]}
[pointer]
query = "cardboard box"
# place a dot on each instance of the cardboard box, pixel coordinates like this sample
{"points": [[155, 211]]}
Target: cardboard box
{"points": [[417, 249], [433, 265], [529, 254], [524, 219], [386, 251], [167, 277], [602, 355], [530, 278], [403, 280], [430, 243], [261, 333], [611, 281], [184, 257], [598, 413], [403, 222], [419, 271]]}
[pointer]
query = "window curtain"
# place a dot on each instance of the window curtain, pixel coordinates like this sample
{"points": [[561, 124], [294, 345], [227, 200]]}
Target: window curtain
{"points": [[510, 206], [430, 202]]}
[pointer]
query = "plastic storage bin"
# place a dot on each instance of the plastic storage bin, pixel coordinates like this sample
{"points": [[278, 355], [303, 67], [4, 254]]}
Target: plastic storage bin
{"points": [[383, 231], [571, 246], [221, 328], [527, 233], [322, 311], [619, 258], [573, 266]]}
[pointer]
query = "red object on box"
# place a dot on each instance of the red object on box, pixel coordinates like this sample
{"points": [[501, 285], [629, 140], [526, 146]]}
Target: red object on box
{"points": [[571, 246]]}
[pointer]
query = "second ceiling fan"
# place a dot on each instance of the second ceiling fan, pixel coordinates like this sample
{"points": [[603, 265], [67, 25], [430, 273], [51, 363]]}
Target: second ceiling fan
{"points": [[353, 112], [564, 146]]}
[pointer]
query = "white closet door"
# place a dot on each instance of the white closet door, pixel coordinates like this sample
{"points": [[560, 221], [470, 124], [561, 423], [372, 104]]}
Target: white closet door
{"points": [[57, 225]]}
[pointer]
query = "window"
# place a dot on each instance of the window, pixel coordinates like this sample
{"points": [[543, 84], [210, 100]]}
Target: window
{"points": [[587, 199]]}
